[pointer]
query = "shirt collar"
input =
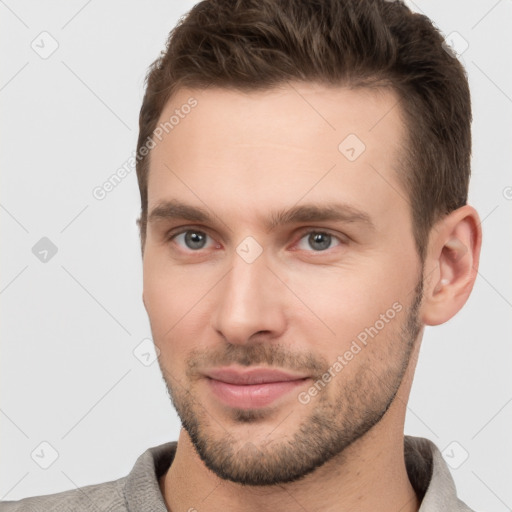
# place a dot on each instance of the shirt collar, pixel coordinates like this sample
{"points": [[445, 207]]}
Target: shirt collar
{"points": [[426, 468], [430, 477]]}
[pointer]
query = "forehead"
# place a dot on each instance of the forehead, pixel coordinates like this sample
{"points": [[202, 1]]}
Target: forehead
{"points": [[304, 108], [274, 146]]}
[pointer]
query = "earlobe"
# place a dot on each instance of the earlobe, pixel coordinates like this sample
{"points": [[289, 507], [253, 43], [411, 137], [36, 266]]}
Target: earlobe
{"points": [[451, 265]]}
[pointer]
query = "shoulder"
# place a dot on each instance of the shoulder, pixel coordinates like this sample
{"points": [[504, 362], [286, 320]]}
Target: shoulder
{"points": [[107, 496], [139, 490]]}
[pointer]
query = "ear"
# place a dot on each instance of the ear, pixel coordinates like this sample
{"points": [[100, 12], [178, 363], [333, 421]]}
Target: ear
{"points": [[451, 264]]}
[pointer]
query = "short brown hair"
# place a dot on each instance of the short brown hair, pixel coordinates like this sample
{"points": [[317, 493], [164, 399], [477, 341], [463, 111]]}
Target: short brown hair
{"points": [[256, 44]]}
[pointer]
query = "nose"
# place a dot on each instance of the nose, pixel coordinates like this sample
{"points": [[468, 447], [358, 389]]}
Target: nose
{"points": [[250, 303]]}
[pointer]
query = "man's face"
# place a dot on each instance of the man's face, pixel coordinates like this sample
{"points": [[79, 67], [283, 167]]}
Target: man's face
{"points": [[329, 300]]}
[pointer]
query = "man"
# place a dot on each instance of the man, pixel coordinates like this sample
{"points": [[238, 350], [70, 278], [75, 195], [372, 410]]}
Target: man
{"points": [[303, 169]]}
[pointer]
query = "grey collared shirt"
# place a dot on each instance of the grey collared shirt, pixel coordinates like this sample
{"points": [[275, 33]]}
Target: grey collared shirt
{"points": [[139, 491]]}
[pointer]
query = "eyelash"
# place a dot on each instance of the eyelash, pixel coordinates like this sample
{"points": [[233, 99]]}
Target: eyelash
{"points": [[342, 241]]}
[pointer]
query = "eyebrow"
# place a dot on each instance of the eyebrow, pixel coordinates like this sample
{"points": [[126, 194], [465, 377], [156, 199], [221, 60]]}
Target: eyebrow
{"points": [[175, 209]]}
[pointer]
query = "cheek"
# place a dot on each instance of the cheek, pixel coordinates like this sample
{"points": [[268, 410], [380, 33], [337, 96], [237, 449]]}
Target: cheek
{"points": [[165, 297], [354, 303], [176, 301]]}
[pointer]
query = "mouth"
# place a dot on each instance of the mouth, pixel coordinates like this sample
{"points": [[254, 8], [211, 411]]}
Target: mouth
{"points": [[252, 388]]}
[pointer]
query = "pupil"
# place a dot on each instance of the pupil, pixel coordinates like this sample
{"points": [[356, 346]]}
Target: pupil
{"points": [[322, 240]]}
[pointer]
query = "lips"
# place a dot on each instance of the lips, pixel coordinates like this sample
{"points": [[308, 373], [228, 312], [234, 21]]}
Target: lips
{"points": [[252, 388], [252, 375]]}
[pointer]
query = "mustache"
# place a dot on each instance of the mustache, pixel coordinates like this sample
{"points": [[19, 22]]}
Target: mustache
{"points": [[267, 354]]}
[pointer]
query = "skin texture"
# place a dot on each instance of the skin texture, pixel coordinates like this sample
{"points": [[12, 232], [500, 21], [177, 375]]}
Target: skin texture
{"points": [[301, 303]]}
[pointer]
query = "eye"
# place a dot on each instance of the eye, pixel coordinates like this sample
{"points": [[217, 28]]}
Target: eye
{"points": [[318, 241], [195, 240], [192, 239]]}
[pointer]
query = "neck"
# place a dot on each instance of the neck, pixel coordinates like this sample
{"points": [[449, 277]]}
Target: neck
{"points": [[370, 475]]}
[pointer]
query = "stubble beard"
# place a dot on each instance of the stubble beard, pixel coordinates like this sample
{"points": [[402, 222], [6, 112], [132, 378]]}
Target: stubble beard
{"points": [[332, 426]]}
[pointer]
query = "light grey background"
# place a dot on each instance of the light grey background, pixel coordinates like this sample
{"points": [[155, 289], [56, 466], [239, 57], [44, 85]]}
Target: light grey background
{"points": [[69, 375]]}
